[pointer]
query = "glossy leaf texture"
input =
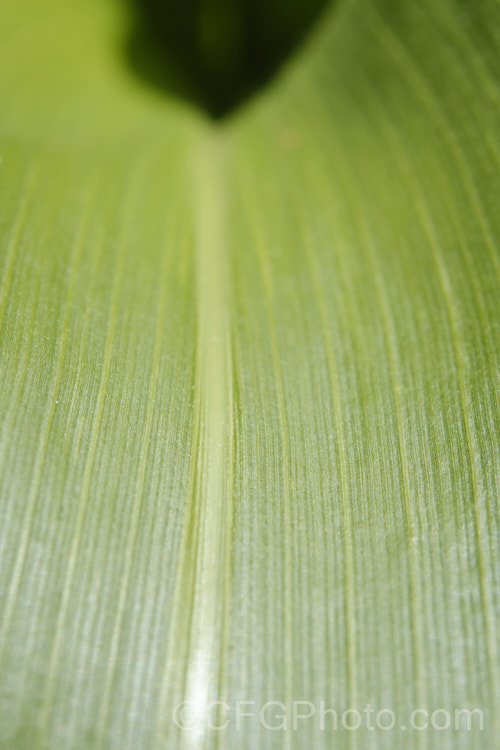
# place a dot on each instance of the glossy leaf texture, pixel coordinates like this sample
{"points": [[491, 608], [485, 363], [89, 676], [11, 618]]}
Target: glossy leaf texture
{"points": [[249, 386]]}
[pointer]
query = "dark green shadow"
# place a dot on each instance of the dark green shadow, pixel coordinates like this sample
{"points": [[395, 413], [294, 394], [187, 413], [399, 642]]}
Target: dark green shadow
{"points": [[216, 53]]}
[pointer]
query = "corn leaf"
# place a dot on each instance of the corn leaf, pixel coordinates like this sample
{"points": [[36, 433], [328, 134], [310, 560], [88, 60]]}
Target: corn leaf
{"points": [[250, 388]]}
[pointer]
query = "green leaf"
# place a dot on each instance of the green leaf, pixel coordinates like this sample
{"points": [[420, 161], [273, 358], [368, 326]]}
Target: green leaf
{"points": [[249, 388]]}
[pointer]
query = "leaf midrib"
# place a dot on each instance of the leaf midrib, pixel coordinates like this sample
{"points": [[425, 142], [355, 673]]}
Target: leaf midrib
{"points": [[198, 622]]}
